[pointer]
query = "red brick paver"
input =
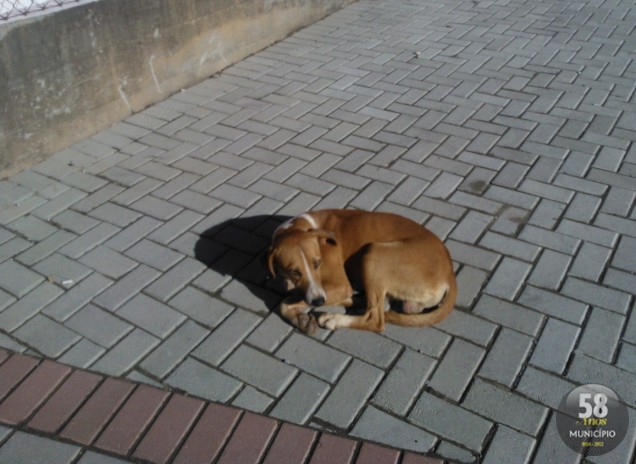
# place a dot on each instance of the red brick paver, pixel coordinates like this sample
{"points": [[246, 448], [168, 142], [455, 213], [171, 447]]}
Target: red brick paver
{"points": [[65, 401], [292, 445], [209, 435], [137, 421], [95, 414], [132, 420], [169, 430], [334, 450], [249, 441], [3, 355], [42, 381], [375, 454], [16, 368], [412, 458]]}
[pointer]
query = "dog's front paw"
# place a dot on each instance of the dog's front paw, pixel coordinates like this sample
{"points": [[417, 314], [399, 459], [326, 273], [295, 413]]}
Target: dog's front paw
{"points": [[307, 323], [328, 321]]}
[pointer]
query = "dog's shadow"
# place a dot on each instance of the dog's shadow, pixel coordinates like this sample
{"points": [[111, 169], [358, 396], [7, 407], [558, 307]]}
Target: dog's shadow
{"points": [[236, 248]]}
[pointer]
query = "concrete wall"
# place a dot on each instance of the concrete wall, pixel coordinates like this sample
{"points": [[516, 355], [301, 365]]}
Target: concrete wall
{"points": [[70, 73]]}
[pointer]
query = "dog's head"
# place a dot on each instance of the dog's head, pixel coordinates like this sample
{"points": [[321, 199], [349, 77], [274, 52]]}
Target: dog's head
{"points": [[296, 258]]}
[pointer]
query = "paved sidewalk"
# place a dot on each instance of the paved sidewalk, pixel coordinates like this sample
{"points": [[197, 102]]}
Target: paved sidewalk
{"points": [[507, 127], [81, 417]]}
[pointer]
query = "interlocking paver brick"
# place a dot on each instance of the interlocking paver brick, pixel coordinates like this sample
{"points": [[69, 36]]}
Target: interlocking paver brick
{"points": [[584, 367], [62, 270], [431, 342], [128, 352], [550, 270], [13, 247], [114, 214], [25, 448], [202, 308], [509, 315], [380, 427], [32, 228], [301, 399], [262, 371], [58, 204], [456, 369], [369, 347], [403, 383], [132, 233], [509, 444], [108, 262], [313, 357], [507, 280], [18, 279], [505, 407], [97, 198], [553, 304], [82, 354], [601, 334], [175, 279], [135, 197], [157, 318], [457, 423], [165, 357], [154, 255], [220, 343], [555, 345], [88, 240], [98, 325], [47, 336], [270, 333], [349, 395], [201, 380], [510, 246], [552, 448], [506, 357], [122, 290], [23, 309], [253, 400], [596, 294], [535, 383]]}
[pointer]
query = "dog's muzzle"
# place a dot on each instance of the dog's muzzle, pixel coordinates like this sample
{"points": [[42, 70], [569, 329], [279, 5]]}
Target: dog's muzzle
{"points": [[315, 296]]}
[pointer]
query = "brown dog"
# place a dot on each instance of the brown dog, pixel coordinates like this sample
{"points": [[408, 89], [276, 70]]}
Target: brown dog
{"points": [[325, 255]]}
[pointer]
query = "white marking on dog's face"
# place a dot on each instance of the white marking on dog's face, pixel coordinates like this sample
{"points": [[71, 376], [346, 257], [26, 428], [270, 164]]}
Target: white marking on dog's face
{"points": [[312, 222], [315, 293]]}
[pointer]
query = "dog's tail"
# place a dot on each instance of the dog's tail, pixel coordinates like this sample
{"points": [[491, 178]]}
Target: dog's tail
{"points": [[428, 318]]}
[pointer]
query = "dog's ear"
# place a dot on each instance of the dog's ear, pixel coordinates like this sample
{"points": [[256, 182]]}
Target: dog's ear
{"points": [[326, 235], [270, 255]]}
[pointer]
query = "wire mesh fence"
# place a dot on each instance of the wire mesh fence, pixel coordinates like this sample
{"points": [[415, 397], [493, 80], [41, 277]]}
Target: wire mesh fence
{"points": [[13, 8]]}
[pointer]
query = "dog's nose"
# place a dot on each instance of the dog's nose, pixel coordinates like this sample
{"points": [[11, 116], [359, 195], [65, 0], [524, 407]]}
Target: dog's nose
{"points": [[318, 301]]}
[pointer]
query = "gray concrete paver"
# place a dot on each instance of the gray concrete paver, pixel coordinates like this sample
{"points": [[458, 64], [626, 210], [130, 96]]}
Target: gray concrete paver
{"points": [[504, 129]]}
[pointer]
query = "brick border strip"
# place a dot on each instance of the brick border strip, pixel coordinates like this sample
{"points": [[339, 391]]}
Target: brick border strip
{"points": [[147, 424]]}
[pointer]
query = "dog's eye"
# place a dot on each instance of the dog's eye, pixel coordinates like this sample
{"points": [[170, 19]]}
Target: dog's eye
{"points": [[295, 274], [316, 263]]}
